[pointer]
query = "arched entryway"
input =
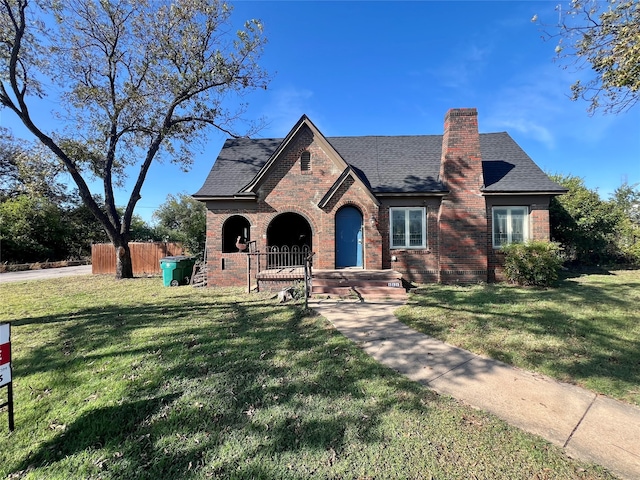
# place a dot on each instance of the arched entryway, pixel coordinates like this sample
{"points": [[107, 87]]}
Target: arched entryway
{"points": [[349, 238], [289, 229]]}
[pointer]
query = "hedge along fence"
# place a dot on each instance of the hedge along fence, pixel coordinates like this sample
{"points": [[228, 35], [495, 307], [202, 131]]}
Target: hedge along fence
{"points": [[145, 256]]}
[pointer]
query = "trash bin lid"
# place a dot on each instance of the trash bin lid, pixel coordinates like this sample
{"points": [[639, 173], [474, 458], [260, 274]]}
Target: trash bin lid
{"points": [[176, 258]]}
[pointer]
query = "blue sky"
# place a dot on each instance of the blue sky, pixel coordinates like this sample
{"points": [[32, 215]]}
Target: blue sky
{"points": [[395, 68]]}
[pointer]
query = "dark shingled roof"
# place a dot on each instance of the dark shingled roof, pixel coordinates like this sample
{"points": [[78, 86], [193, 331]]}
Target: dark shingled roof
{"points": [[398, 164], [507, 168]]}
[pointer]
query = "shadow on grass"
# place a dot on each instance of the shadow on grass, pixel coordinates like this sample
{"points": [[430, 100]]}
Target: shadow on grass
{"points": [[104, 427], [572, 330], [230, 387]]}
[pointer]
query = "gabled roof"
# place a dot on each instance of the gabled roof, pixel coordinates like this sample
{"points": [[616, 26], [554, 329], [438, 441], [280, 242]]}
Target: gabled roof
{"points": [[256, 180], [386, 165]]}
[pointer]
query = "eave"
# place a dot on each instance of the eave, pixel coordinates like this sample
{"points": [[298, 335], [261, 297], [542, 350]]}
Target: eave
{"points": [[524, 192], [441, 193], [238, 196]]}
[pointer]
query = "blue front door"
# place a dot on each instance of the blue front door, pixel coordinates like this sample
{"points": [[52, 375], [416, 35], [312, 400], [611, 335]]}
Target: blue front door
{"points": [[348, 238]]}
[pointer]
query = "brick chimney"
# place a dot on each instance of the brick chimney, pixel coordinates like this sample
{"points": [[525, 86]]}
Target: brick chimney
{"points": [[463, 216]]}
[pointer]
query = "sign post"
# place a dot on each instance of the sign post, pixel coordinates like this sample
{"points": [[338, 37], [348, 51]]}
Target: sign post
{"points": [[5, 369]]}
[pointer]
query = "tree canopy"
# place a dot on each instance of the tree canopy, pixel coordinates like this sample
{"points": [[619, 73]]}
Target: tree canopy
{"points": [[605, 37], [183, 219], [27, 169], [593, 231], [135, 80]]}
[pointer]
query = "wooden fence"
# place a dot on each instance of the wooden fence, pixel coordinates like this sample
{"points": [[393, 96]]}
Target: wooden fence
{"points": [[145, 256]]}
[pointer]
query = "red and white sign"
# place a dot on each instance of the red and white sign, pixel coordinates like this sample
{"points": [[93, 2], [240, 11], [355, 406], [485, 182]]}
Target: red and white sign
{"points": [[5, 354]]}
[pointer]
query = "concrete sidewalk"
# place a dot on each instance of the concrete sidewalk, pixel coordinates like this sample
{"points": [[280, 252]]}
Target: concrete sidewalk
{"points": [[588, 426]]}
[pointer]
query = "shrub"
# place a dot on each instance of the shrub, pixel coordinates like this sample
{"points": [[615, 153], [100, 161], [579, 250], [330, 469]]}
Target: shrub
{"points": [[532, 263]]}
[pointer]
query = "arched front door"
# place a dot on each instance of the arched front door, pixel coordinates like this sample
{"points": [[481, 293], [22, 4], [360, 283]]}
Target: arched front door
{"points": [[348, 237]]}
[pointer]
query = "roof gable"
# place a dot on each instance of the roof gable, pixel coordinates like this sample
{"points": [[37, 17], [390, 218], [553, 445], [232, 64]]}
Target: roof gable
{"points": [[346, 173], [255, 182]]}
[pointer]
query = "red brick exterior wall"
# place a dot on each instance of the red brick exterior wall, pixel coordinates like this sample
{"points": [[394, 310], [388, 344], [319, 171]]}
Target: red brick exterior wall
{"points": [[459, 225]]}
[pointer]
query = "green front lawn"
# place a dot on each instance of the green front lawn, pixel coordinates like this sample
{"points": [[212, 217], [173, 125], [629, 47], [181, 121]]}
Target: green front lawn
{"points": [[586, 331], [124, 380]]}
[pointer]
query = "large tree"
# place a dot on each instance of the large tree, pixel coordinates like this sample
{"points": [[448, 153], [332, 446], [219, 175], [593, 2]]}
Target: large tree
{"points": [[135, 80], [605, 36]]}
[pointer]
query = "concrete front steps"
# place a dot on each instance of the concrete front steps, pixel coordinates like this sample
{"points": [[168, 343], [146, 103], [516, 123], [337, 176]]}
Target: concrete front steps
{"points": [[358, 283]]}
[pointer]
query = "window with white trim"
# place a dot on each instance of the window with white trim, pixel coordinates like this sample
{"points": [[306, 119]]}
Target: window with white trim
{"points": [[510, 225], [408, 227]]}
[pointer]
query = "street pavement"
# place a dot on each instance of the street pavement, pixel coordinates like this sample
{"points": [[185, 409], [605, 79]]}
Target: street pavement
{"points": [[44, 273], [590, 427]]}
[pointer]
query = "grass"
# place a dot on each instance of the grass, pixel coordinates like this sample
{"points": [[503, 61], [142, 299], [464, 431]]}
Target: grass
{"points": [[123, 380], [585, 332]]}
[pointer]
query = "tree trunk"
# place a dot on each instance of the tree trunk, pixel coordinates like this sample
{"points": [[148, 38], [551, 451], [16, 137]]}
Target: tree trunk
{"points": [[124, 266]]}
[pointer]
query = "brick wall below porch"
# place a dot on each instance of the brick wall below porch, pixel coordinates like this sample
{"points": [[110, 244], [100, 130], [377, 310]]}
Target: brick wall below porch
{"points": [[228, 269]]}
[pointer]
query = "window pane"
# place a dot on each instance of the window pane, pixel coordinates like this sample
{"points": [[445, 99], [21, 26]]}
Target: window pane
{"points": [[517, 226], [415, 228], [500, 233], [398, 228]]}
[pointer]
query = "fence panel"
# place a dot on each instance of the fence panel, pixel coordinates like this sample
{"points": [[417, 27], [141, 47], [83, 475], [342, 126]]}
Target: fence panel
{"points": [[145, 256]]}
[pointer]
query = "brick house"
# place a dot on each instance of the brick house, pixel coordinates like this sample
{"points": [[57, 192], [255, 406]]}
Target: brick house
{"points": [[435, 208]]}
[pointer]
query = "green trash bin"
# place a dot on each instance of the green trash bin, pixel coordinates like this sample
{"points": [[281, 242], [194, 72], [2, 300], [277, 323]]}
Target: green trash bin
{"points": [[176, 270]]}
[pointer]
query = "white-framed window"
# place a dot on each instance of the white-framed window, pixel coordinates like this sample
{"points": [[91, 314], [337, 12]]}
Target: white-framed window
{"points": [[408, 227], [510, 225]]}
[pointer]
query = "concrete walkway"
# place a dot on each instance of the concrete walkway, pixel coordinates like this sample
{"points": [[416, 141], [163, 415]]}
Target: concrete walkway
{"points": [[588, 426]]}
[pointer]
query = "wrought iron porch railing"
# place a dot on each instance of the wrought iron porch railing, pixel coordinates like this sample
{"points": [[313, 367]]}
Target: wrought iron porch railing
{"points": [[280, 263], [285, 256]]}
